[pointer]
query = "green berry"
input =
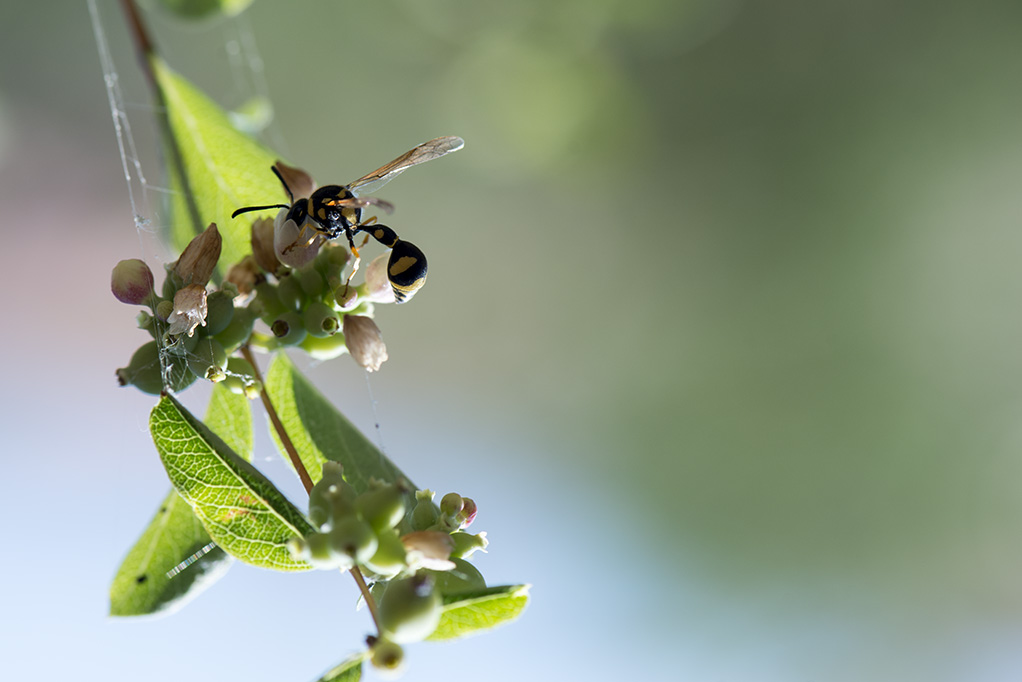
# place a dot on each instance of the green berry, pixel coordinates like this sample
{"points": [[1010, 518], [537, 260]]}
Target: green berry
{"points": [[353, 537], [331, 499], [267, 300], [324, 348], [289, 328], [289, 290], [410, 609], [219, 312], [208, 360], [320, 319], [390, 557], [146, 374], [383, 506], [237, 331], [311, 282], [387, 655]]}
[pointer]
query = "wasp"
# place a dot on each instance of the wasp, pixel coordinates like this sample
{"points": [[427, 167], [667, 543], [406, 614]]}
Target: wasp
{"points": [[336, 210]]}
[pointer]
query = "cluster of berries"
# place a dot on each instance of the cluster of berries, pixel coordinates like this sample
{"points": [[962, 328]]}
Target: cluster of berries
{"points": [[411, 551]]}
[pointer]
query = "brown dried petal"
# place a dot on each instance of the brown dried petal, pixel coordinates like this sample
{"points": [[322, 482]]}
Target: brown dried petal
{"points": [[364, 341], [429, 549], [195, 266], [244, 275], [189, 310], [298, 181], [262, 244]]}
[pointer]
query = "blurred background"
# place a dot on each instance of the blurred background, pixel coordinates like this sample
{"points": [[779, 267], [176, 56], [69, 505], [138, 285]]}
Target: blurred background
{"points": [[721, 331]]}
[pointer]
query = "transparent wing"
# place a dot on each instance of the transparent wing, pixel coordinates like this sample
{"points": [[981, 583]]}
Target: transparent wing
{"points": [[427, 151]]}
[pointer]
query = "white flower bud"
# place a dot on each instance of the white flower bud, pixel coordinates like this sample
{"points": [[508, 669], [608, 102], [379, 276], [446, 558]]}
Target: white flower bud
{"points": [[378, 288], [290, 245], [364, 341]]}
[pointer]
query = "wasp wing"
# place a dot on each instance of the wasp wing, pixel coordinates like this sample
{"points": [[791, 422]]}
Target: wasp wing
{"points": [[427, 151], [362, 202]]}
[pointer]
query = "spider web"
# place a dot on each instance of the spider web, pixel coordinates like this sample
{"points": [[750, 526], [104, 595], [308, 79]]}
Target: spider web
{"points": [[149, 201]]}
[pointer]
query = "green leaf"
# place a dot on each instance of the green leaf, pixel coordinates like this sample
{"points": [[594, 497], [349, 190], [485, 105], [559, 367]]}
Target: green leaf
{"points": [[149, 580], [224, 169], [242, 511], [197, 9], [349, 670], [319, 432], [466, 614]]}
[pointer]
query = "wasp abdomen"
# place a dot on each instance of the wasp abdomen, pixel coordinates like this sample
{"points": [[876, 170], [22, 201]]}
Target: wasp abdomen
{"points": [[406, 270]]}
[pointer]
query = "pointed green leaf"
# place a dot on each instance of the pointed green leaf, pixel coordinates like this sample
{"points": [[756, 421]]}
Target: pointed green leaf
{"points": [[241, 509], [149, 580], [467, 614], [349, 670], [224, 169], [319, 432]]}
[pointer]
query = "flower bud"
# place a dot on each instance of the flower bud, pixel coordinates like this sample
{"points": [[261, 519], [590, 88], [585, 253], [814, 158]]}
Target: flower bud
{"points": [[424, 514], [293, 246], [262, 245], [197, 261], [364, 341], [244, 275], [378, 288], [164, 309], [346, 297], [468, 513], [132, 282], [451, 504], [410, 609], [466, 544], [316, 549], [189, 310]]}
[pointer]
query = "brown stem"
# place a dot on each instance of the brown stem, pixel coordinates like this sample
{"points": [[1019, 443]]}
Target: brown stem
{"points": [[356, 573], [146, 53], [296, 461]]}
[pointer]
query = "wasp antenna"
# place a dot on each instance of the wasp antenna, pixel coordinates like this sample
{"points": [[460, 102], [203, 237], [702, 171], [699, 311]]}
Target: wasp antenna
{"points": [[257, 208], [280, 177]]}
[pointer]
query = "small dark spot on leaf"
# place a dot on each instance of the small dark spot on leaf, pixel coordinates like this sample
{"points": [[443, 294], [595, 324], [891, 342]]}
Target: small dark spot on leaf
{"points": [[141, 579], [163, 510]]}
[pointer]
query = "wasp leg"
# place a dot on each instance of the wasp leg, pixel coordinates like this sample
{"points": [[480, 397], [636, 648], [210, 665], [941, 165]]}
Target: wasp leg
{"points": [[298, 243]]}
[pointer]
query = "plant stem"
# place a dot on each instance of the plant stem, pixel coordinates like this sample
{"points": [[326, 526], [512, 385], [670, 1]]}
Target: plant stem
{"points": [[303, 474], [356, 573], [296, 461], [146, 52]]}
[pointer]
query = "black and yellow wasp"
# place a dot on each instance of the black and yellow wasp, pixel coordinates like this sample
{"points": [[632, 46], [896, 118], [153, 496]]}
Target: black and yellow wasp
{"points": [[336, 210]]}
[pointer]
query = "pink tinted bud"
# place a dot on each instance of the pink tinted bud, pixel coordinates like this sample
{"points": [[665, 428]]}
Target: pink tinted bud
{"points": [[468, 513], [132, 281], [364, 341], [378, 288]]}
